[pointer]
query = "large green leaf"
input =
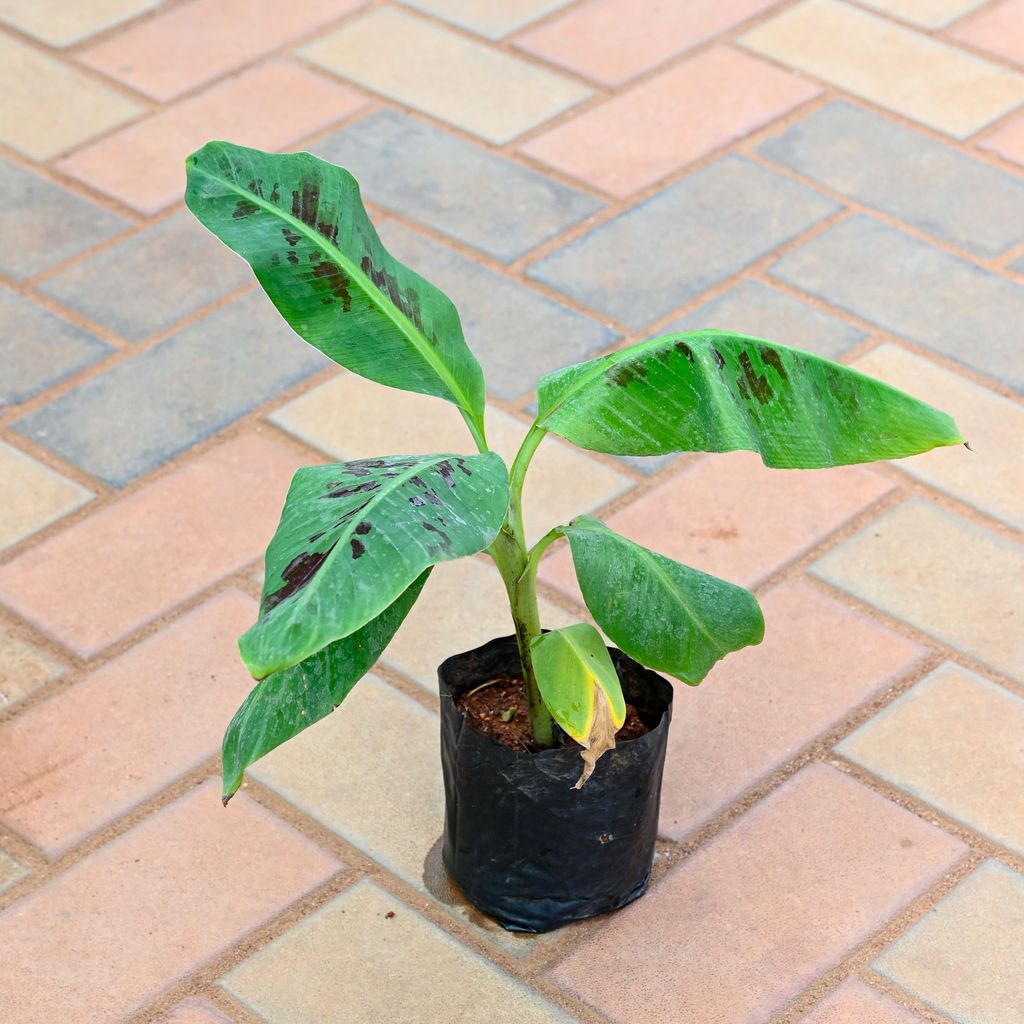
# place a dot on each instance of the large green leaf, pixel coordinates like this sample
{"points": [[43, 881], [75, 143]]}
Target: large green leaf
{"points": [[353, 536], [301, 225], [717, 392], [580, 688], [286, 702], [661, 613]]}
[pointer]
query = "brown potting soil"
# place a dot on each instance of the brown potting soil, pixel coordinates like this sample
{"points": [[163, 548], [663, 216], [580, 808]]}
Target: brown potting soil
{"points": [[484, 706]]}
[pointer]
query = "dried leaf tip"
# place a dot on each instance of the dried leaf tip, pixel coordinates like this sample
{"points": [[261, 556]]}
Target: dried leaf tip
{"points": [[601, 738], [226, 799]]}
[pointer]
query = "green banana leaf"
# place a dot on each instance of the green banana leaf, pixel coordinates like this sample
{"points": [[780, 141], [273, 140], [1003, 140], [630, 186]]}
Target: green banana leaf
{"points": [[287, 702], [353, 536], [660, 612], [301, 225], [713, 391]]}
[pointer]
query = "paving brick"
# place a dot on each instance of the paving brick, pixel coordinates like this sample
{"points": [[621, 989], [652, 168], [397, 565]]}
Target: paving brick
{"points": [[731, 516], [991, 476], [38, 349], [26, 668], [611, 41], [491, 18], [150, 281], [671, 120], [386, 796], [953, 741], [918, 561], [752, 918], [562, 481], [50, 107], [1008, 142], [443, 622], [10, 871], [62, 24], [145, 410], [273, 106], [402, 968], [517, 334], [926, 13], [116, 929], [964, 957], [882, 164], [672, 247], [91, 753], [195, 1011], [915, 290], [853, 1002], [999, 30], [446, 75], [34, 496], [140, 556], [924, 79], [762, 705], [763, 311], [50, 223], [193, 43], [457, 188]]}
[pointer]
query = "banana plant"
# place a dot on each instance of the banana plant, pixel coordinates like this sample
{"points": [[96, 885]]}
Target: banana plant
{"points": [[358, 539]]}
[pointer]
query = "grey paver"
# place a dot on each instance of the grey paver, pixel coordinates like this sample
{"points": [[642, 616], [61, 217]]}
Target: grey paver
{"points": [[916, 290], [517, 334], [152, 280], [682, 241], [149, 408], [907, 174], [44, 224], [471, 195], [763, 311], [38, 349]]}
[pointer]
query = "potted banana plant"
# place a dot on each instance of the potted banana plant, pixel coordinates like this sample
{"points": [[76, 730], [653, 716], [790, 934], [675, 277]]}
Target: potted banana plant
{"points": [[552, 742]]}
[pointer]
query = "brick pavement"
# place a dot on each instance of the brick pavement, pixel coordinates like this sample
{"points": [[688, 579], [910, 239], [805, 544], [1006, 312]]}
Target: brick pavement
{"points": [[842, 840]]}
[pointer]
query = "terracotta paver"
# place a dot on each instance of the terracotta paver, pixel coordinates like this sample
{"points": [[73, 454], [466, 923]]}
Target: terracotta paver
{"points": [[670, 121], [758, 707], [400, 968], [169, 895], [612, 41], [845, 176], [853, 1002], [953, 741], [273, 106], [193, 43], [744, 924], [49, 106], [443, 74], [143, 555], [980, 923], [125, 731], [26, 668], [919, 77]]}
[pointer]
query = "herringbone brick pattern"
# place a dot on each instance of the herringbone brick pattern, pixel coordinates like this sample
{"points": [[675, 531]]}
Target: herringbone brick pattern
{"points": [[843, 840]]}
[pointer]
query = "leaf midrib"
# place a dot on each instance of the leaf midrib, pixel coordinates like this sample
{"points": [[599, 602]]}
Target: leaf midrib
{"points": [[397, 317]]}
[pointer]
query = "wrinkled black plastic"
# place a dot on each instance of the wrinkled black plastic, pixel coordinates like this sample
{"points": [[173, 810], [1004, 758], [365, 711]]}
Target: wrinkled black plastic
{"points": [[519, 841]]}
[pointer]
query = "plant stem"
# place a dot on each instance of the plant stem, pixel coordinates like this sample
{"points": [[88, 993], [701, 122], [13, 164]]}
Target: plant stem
{"points": [[510, 556]]}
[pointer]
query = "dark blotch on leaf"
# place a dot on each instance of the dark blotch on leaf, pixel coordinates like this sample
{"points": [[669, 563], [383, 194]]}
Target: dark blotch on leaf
{"points": [[770, 357], [296, 574], [447, 473], [756, 382], [291, 237], [332, 279], [358, 549], [364, 527], [622, 374], [306, 202], [244, 208], [683, 349], [719, 358], [416, 500]]}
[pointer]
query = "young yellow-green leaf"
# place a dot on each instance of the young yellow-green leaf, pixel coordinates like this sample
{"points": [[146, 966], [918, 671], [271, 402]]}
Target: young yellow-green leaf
{"points": [[286, 702], [658, 611], [580, 688], [712, 391], [353, 536], [300, 223]]}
